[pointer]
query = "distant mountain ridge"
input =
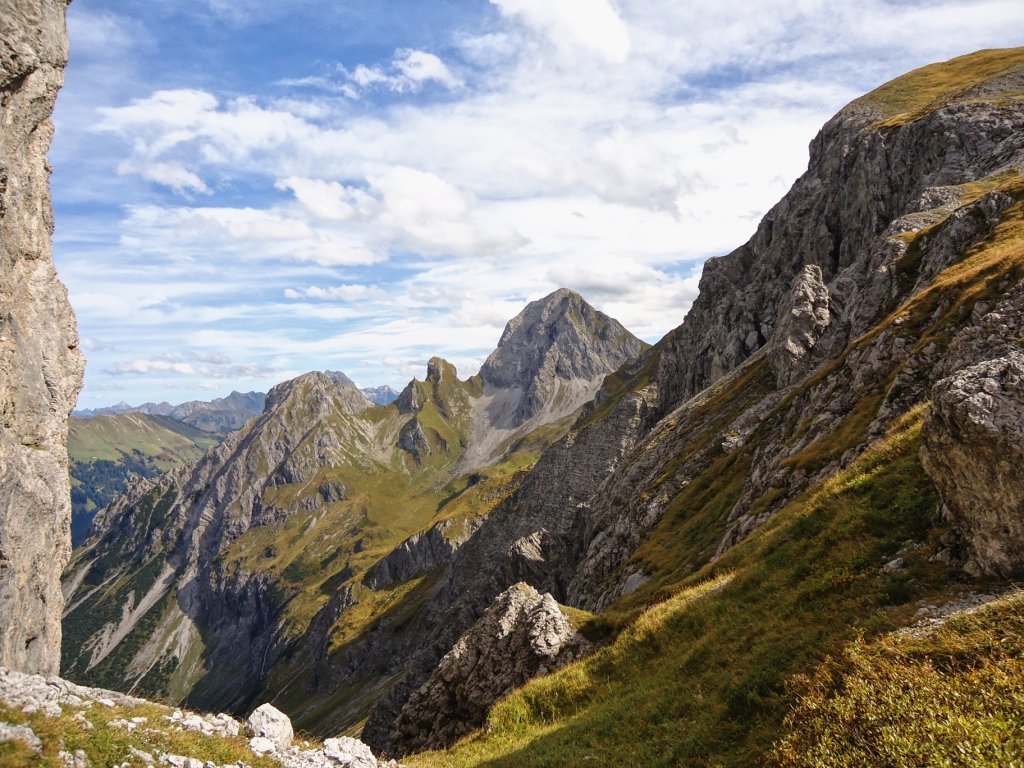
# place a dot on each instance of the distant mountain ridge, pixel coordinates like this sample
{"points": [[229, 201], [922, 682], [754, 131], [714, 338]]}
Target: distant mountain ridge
{"points": [[218, 416], [210, 415]]}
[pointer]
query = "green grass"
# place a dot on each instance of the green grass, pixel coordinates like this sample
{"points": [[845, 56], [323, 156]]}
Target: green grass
{"points": [[917, 93], [698, 678], [168, 442], [105, 744], [953, 696]]}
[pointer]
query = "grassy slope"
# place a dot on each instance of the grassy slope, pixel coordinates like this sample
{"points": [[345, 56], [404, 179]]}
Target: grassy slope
{"points": [[168, 442], [950, 696], [697, 679], [923, 90], [104, 450], [698, 675]]}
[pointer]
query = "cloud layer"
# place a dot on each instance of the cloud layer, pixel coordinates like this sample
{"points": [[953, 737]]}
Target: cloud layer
{"points": [[387, 191]]}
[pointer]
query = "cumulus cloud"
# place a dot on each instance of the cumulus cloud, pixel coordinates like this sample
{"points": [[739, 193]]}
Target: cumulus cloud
{"points": [[591, 26], [328, 199]]}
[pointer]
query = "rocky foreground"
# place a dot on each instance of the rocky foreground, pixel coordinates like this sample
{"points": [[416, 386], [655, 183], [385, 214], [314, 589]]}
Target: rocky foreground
{"points": [[48, 720]]}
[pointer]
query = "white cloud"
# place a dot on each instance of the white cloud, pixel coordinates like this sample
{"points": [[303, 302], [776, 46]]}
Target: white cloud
{"points": [[327, 199], [170, 174], [593, 26], [606, 146], [409, 71], [345, 293], [420, 67]]}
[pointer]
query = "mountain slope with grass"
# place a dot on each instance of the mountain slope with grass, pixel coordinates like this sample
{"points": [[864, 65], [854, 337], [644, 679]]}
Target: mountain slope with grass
{"points": [[799, 487], [105, 451]]}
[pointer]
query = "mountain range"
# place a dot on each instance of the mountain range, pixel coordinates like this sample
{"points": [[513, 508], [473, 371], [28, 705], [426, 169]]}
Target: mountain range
{"points": [[785, 535]]}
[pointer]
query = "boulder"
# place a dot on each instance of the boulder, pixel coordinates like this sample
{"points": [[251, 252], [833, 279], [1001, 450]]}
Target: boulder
{"points": [[267, 723]]}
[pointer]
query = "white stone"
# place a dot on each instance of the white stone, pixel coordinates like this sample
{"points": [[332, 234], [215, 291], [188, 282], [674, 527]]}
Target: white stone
{"points": [[271, 723], [351, 753], [21, 733], [261, 745]]}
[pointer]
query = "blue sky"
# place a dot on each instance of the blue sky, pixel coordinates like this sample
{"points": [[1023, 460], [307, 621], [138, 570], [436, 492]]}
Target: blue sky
{"points": [[248, 191]]}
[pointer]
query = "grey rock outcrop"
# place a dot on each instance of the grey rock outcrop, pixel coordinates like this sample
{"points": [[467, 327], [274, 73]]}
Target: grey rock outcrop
{"points": [[974, 452], [521, 635], [421, 552], [40, 362], [802, 321]]}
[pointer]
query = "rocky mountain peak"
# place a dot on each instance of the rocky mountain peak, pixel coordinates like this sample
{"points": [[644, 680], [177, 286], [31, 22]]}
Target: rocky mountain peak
{"points": [[318, 385], [560, 336], [437, 369]]}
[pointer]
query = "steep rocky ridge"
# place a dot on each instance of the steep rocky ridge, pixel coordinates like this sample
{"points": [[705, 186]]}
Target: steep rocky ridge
{"points": [[776, 486], [40, 363], [804, 347], [159, 552], [551, 358]]}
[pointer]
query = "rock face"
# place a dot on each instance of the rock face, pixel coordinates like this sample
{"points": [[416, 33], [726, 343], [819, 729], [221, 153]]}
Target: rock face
{"points": [[557, 338], [551, 359], [523, 634], [40, 363], [974, 438]]}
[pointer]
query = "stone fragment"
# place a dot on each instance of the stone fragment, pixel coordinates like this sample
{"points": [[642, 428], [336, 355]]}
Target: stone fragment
{"points": [[21, 733], [348, 752]]}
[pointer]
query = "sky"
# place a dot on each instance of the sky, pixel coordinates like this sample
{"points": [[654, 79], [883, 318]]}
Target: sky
{"points": [[248, 191]]}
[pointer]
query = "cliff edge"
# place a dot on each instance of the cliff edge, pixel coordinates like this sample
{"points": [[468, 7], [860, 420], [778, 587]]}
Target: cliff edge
{"points": [[40, 363]]}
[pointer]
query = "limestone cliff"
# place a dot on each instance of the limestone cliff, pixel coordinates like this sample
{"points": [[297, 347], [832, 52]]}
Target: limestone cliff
{"points": [[40, 363]]}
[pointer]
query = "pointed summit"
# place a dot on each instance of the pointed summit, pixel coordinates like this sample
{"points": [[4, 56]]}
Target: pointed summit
{"points": [[557, 338]]}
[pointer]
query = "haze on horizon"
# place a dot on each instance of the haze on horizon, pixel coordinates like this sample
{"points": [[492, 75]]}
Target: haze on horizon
{"points": [[245, 194]]}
